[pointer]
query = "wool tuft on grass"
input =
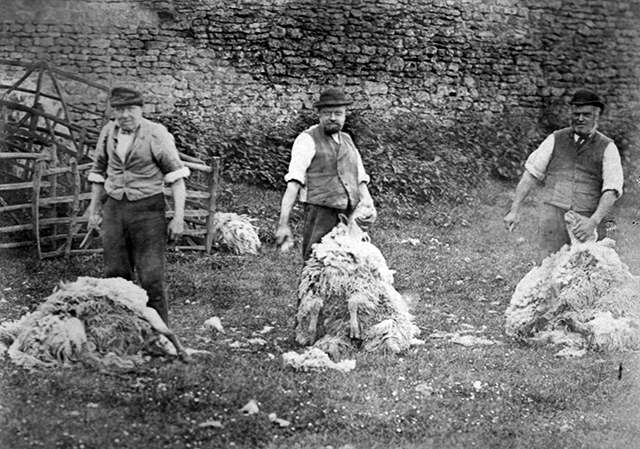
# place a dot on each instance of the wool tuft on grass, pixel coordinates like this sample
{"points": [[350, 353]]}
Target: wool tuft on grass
{"points": [[583, 296], [94, 321], [347, 299], [236, 233]]}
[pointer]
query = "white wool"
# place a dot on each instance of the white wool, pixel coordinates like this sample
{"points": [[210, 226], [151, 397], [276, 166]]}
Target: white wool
{"points": [[345, 274], [614, 333], [104, 321], [315, 359], [58, 340], [582, 296], [236, 233]]}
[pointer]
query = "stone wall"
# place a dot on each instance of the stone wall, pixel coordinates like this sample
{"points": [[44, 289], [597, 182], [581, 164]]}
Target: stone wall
{"points": [[440, 58]]}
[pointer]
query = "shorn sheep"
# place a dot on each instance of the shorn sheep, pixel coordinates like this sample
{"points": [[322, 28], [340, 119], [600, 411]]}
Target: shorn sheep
{"points": [[583, 296], [102, 322], [347, 299]]}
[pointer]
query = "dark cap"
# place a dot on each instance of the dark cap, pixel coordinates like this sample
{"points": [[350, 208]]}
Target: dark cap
{"points": [[332, 97], [123, 96], [586, 97]]}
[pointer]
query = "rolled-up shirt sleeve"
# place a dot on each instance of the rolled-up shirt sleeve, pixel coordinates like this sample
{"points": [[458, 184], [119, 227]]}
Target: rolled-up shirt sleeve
{"points": [[98, 172], [173, 176], [612, 175], [167, 155], [96, 178], [302, 153], [362, 174], [538, 161]]}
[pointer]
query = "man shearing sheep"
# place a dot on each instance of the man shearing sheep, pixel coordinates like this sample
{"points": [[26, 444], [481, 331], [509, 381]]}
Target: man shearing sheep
{"points": [[581, 171], [326, 174]]}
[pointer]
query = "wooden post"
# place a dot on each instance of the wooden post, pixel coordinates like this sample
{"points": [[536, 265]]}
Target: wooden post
{"points": [[75, 205], [67, 112], [53, 211], [214, 182], [35, 204]]}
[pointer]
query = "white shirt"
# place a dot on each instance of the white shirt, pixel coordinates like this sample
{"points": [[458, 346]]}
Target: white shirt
{"points": [[302, 153], [612, 177], [124, 143]]}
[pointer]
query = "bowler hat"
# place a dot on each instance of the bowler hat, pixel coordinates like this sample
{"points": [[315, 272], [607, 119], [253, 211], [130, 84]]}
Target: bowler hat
{"points": [[586, 97], [123, 96], [332, 97]]}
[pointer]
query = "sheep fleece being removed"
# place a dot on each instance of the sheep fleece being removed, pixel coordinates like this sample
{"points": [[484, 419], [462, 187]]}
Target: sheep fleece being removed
{"points": [[347, 299], [583, 297], [97, 321]]}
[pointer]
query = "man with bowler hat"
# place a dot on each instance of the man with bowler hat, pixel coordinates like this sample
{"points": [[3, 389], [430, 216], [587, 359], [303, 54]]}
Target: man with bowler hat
{"points": [[133, 160], [581, 171], [326, 174]]}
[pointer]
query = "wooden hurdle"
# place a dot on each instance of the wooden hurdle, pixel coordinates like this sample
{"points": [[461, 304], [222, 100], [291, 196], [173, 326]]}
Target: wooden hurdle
{"points": [[44, 160]]}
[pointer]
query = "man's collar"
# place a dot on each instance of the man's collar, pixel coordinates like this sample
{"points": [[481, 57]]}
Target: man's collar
{"points": [[121, 130], [577, 136]]}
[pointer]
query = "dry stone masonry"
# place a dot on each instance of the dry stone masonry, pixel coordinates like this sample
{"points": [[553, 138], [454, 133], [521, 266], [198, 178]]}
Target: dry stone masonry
{"points": [[440, 58]]}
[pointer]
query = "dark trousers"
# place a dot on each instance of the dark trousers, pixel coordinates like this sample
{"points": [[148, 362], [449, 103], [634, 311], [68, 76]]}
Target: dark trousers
{"points": [[318, 222], [552, 230], [134, 238]]}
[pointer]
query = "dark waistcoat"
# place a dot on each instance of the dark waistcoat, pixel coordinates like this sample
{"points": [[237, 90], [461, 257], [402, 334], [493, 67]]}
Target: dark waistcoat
{"points": [[332, 177], [574, 176]]}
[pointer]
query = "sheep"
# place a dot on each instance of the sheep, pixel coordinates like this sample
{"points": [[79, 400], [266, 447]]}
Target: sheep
{"points": [[346, 297], [104, 321], [582, 296], [235, 232]]}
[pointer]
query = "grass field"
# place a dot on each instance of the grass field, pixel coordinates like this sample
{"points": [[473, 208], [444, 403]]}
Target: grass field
{"points": [[460, 268]]}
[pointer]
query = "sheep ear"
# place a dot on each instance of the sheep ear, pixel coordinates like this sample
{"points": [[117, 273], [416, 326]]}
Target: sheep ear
{"points": [[343, 218]]}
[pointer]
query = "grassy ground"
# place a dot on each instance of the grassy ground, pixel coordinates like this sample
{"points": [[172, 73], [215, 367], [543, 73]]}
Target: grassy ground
{"points": [[456, 262]]}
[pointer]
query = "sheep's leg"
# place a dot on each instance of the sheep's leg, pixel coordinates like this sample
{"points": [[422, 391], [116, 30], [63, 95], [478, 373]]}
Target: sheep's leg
{"points": [[307, 318], [354, 328], [313, 321], [182, 353], [151, 315]]}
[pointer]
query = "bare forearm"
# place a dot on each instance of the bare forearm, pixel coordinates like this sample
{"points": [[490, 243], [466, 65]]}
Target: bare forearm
{"points": [[607, 200], [363, 191], [179, 192], [288, 201], [526, 184], [97, 192]]}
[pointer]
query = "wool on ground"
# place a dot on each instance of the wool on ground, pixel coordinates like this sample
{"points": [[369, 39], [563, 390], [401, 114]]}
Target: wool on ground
{"points": [[235, 233], [91, 320], [583, 296]]}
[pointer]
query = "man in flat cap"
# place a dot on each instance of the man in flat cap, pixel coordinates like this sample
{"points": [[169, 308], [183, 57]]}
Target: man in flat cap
{"points": [[133, 160], [581, 171], [326, 174]]}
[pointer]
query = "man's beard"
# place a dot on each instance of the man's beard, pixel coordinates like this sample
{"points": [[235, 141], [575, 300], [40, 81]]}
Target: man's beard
{"points": [[332, 128]]}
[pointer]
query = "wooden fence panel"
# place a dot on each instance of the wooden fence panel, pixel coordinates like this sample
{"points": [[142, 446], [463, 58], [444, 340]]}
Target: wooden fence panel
{"points": [[44, 192]]}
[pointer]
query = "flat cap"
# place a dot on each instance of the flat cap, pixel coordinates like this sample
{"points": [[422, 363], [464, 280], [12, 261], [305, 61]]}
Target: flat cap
{"points": [[124, 96]]}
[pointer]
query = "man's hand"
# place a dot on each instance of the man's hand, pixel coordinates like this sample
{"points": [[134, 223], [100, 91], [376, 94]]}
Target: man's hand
{"points": [[366, 215], [584, 228], [95, 219], [511, 221], [175, 229], [284, 237]]}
